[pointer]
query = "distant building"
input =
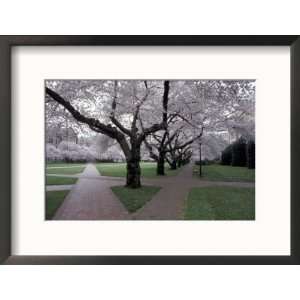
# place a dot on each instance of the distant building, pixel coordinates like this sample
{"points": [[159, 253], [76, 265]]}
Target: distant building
{"points": [[55, 135]]}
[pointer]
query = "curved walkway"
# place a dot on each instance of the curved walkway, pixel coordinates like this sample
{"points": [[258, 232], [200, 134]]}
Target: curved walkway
{"points": [[91, 199], [168, 203]]}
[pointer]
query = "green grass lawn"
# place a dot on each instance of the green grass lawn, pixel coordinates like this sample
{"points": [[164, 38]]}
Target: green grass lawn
{"points": [[220, 203], [63, 164], [226, 173], [52, 180], [133, 199], [54, 199], [148, 169], [74, 170]]}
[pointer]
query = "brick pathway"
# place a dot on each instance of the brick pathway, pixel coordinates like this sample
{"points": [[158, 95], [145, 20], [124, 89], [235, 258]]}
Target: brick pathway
{"points": [[92, 199], [167, 204]]}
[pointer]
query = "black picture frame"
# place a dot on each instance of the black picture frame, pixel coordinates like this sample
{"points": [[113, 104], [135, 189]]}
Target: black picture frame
{"points": [[6, 44]]}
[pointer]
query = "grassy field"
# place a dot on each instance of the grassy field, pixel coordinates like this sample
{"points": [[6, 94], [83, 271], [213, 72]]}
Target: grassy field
{"points": [[52, 180], [133, 199], [220, 203], [54, 199], [75, 169], [148, 169], [58, 168], [63, 164], [226, 173]]}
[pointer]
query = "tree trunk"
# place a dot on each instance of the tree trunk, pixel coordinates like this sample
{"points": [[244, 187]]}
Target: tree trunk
{"points": [[174, 165], [179, 162], [133, 179], [161, 164], [200, 160]]}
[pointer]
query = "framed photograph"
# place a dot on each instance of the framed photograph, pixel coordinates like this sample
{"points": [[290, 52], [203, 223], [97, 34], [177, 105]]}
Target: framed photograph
{"points": [[149, 149]]}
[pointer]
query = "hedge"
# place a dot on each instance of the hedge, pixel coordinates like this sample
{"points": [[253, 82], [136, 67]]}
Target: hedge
{"points": [[251, 155], [239, 153], [226, 156]]}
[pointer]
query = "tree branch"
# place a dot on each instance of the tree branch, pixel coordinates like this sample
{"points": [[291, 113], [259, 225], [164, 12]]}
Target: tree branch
{"points": [[150, 149], [166, 100], [113, 111], [163, 125], [94, 124], [189, 142], [136, 114]]}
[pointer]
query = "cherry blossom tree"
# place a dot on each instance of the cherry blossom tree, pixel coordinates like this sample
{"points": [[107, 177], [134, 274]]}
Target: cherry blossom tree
{"points": [[203, 112], [113, 108], [171, 119]]}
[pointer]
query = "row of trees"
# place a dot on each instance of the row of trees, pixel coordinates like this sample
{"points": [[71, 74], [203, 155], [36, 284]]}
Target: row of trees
{"points": [[240, 153], [71, 152], [167, 118]]}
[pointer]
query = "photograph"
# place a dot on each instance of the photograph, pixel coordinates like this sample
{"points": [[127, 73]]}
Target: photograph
{"points": [[150, 149]]}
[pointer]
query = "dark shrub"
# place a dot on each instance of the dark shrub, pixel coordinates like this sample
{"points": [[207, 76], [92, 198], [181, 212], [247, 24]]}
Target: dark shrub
{"points": [[251, 155], [239, 153], [226, 156], [205, 162], [105, 160]]}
